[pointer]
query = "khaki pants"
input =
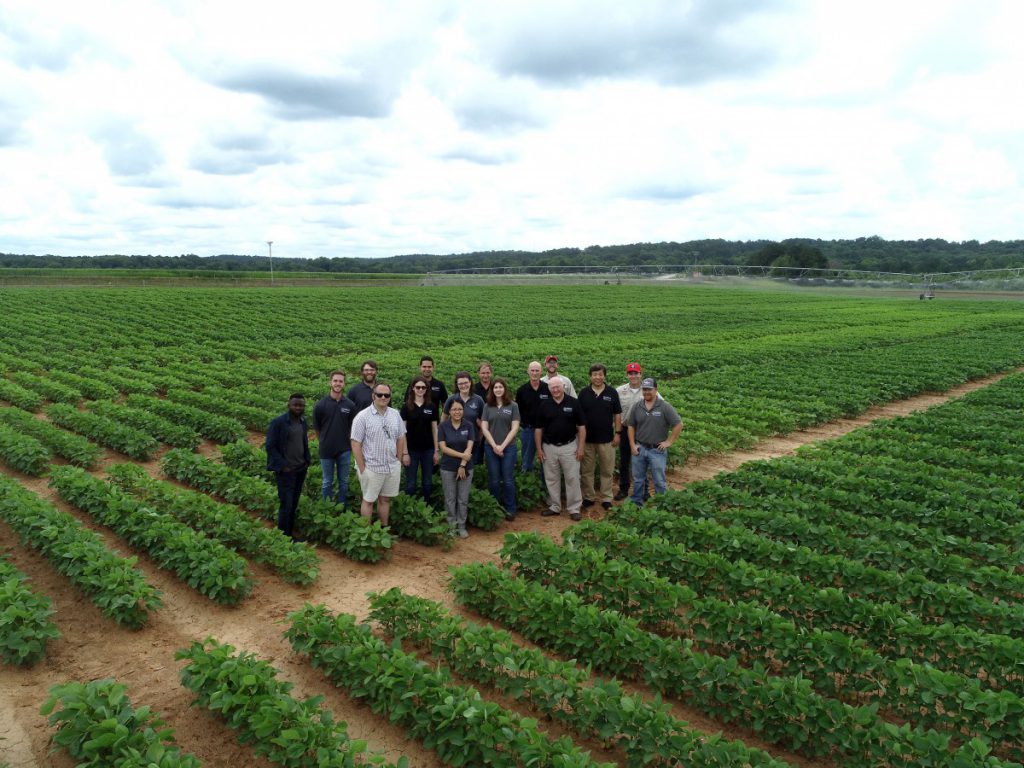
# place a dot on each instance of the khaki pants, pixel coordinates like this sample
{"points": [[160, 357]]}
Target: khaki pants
{"points": [[560, 461], [601, 455]]}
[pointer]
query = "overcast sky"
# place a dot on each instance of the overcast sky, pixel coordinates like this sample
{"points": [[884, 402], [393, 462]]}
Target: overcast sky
{"points": [[375, 129]]}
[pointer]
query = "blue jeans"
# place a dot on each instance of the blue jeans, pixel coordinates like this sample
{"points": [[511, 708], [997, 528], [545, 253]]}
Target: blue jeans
{"points": [[648, 459], [529, 448], [501, 476], [339, 464], [289, 490], [424, 462]]}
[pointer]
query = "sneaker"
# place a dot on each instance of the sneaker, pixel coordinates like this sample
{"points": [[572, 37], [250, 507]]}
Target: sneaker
{"points": [[574, 516], [621, 495], [463, 533], [607, 505], [548, 513], [587, 503], [510, 516]]}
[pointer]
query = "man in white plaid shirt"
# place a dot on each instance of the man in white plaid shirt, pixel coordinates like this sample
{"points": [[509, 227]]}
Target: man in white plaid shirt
{"points": [[378, 442]]}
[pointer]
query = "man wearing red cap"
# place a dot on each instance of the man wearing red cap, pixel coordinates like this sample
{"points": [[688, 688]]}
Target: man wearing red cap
{"points": [[630, 394]]}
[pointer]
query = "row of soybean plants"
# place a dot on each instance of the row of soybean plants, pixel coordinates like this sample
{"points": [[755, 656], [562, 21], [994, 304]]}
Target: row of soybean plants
{"points": [[97, 724], [187, 534], [421, 520]]}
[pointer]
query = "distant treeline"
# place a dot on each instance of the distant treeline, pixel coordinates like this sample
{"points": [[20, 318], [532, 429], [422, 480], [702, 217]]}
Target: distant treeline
{"points": [[868, 253]]}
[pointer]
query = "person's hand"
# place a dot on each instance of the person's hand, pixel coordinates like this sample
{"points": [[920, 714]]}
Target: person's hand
{"points": [[406, 461], [579, 453], [437, 457], [663, 445], [540, 455], [499, 451], [461, 474], [635, 450], [616, 439]]}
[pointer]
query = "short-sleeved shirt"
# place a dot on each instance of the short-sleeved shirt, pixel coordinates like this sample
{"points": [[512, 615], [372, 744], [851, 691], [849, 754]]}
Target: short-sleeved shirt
{"points": [[652, 426], [332, 420], [361, 394], [474, 407], [499, 420], [378, 434], [480, 389], [456, 439], [529, 400], [419, 434], [599, 412], [560, 420], [438, 391]]}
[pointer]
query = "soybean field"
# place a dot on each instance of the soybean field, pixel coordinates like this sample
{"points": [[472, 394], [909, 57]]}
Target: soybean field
{"points": [[860, 603]]}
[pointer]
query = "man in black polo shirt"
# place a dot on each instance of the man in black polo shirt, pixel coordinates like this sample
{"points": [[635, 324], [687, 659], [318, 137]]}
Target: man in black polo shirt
{"points": [[603, 414], [361, 392], [560, 434], [438, 391], [528, 398], [332, 421]]}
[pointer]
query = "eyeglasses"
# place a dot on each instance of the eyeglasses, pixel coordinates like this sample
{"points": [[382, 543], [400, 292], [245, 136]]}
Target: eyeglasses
{"points": [[382, 395]]}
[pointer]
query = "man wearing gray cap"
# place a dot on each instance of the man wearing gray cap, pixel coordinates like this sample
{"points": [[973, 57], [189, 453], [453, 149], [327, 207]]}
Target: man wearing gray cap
{"points": [[653, 426]]}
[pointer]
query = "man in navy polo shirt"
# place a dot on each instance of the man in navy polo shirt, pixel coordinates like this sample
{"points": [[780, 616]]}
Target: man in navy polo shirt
{"points": [[560, 433], [649, 425], [332, 421]]}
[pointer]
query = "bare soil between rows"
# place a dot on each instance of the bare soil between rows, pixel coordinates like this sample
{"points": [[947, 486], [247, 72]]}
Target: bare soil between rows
{"points": [[92, 646]]}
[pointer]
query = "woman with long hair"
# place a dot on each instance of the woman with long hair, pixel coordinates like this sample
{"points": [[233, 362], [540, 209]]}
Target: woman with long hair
{"points": [[500, 425], [421, 417]]}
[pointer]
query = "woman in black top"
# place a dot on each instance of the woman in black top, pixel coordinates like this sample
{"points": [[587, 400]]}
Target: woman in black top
{"points": [[420, 416]]}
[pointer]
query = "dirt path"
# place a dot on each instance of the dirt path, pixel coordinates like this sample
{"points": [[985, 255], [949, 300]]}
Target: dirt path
{"points": [[92, 646]]}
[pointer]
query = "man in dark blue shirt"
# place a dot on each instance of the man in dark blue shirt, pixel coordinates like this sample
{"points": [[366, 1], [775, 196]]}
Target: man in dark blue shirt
{"points": [[361, 392], [332, 421], [288, 458]]}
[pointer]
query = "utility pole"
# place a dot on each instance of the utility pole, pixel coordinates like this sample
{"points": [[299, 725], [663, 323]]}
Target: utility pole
{"points": [[270, 255]]}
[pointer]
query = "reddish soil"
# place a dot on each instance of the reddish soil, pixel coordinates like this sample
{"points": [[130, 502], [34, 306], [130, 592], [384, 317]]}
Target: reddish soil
{"points": [[92, 646]]}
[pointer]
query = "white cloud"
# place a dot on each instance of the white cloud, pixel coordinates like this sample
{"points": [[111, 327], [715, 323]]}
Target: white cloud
{"points": [[383, 128]]}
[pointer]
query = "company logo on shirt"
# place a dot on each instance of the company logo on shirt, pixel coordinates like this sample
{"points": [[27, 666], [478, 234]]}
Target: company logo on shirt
{"points": [[566, 409]]}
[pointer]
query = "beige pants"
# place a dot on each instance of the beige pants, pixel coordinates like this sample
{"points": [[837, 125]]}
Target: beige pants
{"points": [[560, 461], [601, 455]]}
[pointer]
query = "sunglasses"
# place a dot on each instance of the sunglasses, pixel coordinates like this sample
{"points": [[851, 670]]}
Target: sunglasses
{"points": [[419, 386], [382, 395]]}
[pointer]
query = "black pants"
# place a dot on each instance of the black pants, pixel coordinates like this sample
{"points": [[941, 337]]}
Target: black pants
{"points": [[625, 462], [289, 491]]}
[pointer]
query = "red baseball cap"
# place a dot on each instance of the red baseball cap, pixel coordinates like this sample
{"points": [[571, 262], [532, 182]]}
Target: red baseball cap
{"points": [[549, 358], [633, 368]]}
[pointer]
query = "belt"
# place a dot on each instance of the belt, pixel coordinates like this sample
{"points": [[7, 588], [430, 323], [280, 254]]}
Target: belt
{"points": [[649, 446], [559, 445]]}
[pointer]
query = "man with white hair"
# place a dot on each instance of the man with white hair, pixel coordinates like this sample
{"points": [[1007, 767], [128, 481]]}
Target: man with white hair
{"points": [[560, 434]]}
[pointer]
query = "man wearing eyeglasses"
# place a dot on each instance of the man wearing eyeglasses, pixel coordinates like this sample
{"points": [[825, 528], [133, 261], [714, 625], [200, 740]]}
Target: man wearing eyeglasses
{"points": [[378, 442]]}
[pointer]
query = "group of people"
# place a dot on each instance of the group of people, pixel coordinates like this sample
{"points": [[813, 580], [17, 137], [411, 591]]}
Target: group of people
{"points": [[574, 437]]}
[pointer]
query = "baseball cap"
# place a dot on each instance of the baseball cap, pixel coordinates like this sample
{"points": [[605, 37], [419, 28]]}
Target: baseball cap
{"points": [[549, 358], [648, 383], [633, 368]]}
